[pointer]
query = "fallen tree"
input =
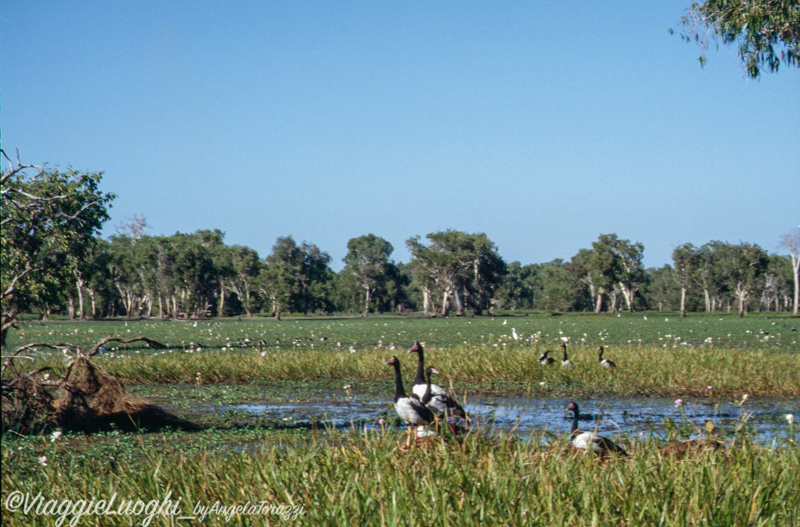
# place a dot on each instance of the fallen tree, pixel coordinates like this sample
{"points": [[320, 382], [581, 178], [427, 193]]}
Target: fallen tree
{"points": [[85, 399]]}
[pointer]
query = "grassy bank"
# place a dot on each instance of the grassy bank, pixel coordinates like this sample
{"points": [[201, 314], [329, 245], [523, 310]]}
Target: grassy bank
{"points": [[512, 368]]}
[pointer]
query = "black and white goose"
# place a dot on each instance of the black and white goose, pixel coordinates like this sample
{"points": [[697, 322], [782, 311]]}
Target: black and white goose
{"points": [[605, 363], [441, 402], [410, 409], [589, 441], [428, 395], [544, 360], [565, 362]]}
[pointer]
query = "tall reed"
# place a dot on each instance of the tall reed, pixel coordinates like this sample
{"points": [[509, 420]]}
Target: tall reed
{"points": [[365, 478]]}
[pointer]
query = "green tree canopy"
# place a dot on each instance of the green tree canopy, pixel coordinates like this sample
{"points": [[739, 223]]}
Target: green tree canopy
{"points": [[50, 220], [296, 276], [458, 265], [767, 32], [368, 261]]}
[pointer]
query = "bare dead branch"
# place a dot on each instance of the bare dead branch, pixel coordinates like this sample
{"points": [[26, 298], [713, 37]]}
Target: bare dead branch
{"points": [[150, 342]]}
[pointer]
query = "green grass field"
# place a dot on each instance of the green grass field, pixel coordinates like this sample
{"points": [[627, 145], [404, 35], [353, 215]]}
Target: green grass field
{"points": [[656, 354], [361, 476]]}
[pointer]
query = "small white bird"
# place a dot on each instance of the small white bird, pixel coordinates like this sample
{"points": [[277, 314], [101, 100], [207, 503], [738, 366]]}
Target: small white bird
{"points": [[514, 333]]}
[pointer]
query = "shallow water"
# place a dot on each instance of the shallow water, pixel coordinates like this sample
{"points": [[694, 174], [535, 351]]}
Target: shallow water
{"points": [[525, 416]]}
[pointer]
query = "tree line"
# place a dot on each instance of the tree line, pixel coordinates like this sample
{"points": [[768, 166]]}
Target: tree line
{"points": [[450, 272], [54, 261]]}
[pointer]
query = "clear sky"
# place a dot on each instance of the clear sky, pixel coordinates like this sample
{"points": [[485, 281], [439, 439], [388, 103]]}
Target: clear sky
{"points": [[542, 124]]}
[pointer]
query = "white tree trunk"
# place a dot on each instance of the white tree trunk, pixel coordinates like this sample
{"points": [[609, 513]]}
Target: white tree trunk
{"points": [[445, 300], [742, 295], [459, 304], [79, 284], [599, 304], [796, 267], [683, 301], [627, 294], [94, 303]]}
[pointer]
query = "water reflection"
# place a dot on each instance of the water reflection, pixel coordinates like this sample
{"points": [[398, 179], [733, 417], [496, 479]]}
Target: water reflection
{"points": [[526, 416]]}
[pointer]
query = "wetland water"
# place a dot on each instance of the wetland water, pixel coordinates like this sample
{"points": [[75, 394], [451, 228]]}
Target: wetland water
{"points": [[521, 415]]}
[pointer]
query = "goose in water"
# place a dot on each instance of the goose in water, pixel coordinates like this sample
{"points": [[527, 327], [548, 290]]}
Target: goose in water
{"points": [[410, 409], [441, 402], [589, 441]]}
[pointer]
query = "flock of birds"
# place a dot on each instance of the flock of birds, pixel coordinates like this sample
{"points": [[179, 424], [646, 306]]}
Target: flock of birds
{"points": [[545, 360], [429, 404]]}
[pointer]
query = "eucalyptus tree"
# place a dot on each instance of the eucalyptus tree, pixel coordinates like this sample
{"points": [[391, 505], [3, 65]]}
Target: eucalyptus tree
{"points": [[213, 243], [195, 274], [436, 269], [394, 294], [605, 267], [296, 277], [742, 265], [661, 291], [146, 251], [776, 284], [488, 269], [584, 282], [555, 286], [709, 274], [618, 266], [126, 268], [243, 267], [368, 261], [518, 288], [767, 32], [48, 222], [453, 265], [792, 242], [315, 279], [97, 280], [163, 264], [283, 265], [633, 275], [685, 258]]}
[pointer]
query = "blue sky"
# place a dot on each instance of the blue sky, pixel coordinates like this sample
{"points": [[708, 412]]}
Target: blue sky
{"points": [[542, 124]]}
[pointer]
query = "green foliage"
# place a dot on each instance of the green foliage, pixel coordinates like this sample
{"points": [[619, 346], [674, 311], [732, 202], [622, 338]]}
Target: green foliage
{"points": [[50, 221], [456, 264], [370, 273], [297, 276], [767, 32]]}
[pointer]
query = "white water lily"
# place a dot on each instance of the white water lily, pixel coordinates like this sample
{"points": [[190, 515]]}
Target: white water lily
{"points": [[55, 435]]}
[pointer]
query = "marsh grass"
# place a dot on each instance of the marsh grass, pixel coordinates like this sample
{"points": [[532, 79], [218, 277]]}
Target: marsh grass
{"points": [[651, 370], [364, 478]]}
